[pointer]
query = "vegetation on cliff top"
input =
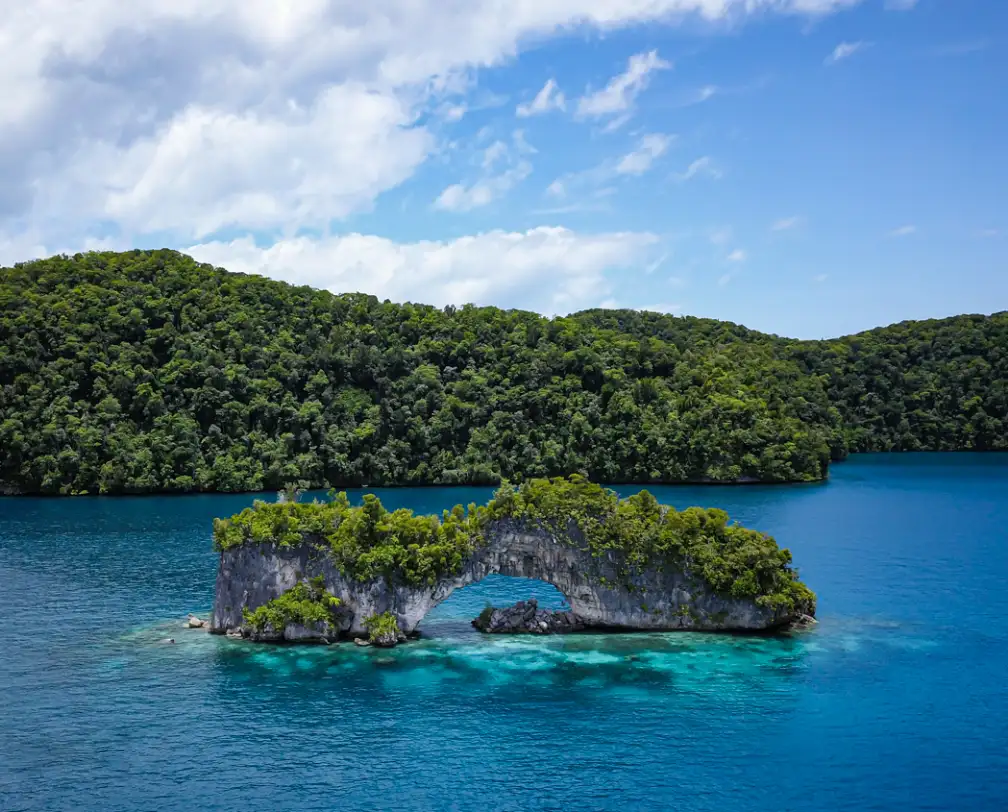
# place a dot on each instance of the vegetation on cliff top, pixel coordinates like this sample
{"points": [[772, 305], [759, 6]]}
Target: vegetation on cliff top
{"points": [[304, 603], [146, 371], [369, 541]]}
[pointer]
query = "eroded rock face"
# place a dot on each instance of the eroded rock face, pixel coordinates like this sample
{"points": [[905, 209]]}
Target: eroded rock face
{"points": [[251, 575]]}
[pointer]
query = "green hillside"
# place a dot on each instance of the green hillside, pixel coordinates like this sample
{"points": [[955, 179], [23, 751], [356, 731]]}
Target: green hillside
{"points": [[146, 371]]}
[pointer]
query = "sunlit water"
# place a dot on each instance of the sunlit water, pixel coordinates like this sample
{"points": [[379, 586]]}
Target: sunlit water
{"points": [[897, 701]]}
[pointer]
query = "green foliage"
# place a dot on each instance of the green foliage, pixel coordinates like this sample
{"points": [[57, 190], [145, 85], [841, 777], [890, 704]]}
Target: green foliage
{"points": [[145, 371], [733, 560], [383, 627], [304, 603], [369, 541], [366, 541]]}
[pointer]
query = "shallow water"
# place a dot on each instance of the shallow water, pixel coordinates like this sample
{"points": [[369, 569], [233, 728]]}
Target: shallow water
{"points": [[898, 700]]}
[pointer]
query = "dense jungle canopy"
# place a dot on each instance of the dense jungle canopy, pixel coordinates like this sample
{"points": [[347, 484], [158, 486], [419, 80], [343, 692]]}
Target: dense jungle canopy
{"points": [[146, 371]]}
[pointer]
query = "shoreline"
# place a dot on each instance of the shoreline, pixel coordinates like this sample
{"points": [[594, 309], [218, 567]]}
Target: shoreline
{"points": [[9, 490]]}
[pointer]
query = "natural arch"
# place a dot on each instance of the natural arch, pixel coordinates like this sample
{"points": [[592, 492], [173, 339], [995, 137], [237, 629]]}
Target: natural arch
{"points": [[597, 587]]}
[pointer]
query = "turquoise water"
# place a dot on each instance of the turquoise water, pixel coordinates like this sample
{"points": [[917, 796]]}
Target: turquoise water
{"points": [[897, 701]]}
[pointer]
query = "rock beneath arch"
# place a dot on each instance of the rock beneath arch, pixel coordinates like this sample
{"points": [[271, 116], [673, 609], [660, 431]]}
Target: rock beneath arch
{"points": [[525, 617]]}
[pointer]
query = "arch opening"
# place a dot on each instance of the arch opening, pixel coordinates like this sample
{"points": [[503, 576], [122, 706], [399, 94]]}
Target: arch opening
{"points": [[456, 612]]}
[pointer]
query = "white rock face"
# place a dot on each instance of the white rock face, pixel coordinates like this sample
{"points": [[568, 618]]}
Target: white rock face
{"points": [[251, 575]]}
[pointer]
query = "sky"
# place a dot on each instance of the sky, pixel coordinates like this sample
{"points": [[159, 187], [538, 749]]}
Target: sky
{"points": [[809, 168]]}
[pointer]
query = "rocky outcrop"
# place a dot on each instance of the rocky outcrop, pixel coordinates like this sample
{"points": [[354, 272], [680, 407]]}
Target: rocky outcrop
{"points": [[598, 589], [525, 617], [193, 622]]}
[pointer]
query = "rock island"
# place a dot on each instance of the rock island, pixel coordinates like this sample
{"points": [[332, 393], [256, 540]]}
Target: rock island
{"points": [[323, 571]]}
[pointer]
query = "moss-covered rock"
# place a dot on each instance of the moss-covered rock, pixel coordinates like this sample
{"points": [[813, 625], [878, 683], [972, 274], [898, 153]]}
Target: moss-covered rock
{"points": [[305, 613], [634, 536]]}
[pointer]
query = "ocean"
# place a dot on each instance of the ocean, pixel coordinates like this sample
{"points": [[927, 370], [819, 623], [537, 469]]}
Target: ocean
{"points": [[898, 700]]}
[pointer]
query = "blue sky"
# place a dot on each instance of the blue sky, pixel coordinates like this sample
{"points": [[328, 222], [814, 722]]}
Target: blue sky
{"points": [[804, 167]]}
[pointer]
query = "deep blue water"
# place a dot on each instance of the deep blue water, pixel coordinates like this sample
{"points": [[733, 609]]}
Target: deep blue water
{"points": [[897, 701]]}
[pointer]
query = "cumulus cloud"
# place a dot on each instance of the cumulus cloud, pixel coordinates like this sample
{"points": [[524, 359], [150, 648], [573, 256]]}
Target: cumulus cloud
{"points": [[617, 96], [738, 255], [548, 269], [459, 197], [184, 119], [494, 183], [549, 98], [903, 231]]}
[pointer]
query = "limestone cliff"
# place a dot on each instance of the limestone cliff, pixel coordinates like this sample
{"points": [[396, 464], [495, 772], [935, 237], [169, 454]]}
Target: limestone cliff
{"points": [[598, 588]]}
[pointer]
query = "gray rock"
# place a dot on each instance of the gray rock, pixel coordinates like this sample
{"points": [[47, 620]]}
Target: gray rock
{"points": [[313, 633], [803, 623], [599, 596], [361, 641], [386, 640], [526, 618], [194, 622]]}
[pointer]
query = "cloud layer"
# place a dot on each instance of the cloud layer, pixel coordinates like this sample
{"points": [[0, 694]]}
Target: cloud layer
{"points": [[553, 270], [189, 123]]}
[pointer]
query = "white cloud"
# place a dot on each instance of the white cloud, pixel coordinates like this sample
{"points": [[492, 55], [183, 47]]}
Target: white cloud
{"points": [[903, 231], [844, 50], [652, 267], [551, 270], [618, 96], [495, 152], [520, 144], [208, 170], [458, 197], [494, 183], [786, 224], [557, 188], [820, 278], [738, 255], [182, 118], [724, 279], [701, 166], [705, 93], [639, 161], [549, 98], [587, 181]]}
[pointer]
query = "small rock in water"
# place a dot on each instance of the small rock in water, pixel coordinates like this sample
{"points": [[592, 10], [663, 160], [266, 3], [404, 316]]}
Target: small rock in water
{"points": [[168, 640], [360, 641], [803, 622], [525, 617], [195, 623]]}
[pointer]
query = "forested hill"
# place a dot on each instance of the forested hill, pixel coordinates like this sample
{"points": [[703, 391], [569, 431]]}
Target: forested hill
{"points": [[145, 371]]}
